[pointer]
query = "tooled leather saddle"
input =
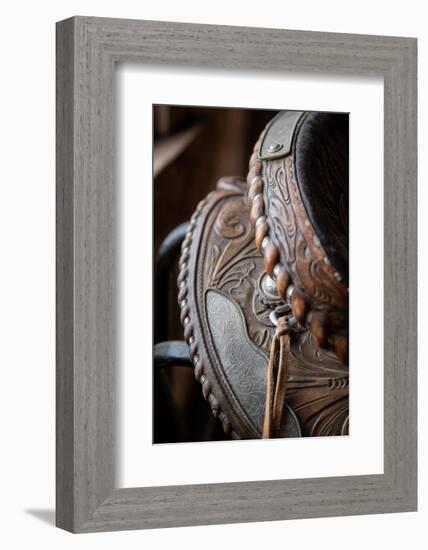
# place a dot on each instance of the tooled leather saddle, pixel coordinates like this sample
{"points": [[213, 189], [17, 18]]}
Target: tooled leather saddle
{"points": [[263, 284]]}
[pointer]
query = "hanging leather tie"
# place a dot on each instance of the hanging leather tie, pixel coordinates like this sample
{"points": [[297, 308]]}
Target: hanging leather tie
{"points": [[277, 379]]}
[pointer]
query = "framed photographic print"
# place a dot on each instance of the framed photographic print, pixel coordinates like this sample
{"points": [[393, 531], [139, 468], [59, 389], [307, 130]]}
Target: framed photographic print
{"points": [[236, 274]]}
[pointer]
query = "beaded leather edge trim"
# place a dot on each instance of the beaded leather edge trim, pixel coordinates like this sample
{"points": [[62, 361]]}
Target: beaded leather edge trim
{"points": [[187, 323], [271, 255]]}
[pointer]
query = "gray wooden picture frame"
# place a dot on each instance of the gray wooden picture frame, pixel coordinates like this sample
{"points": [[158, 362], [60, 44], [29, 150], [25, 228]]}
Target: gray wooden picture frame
{"points": [[87, 50]]}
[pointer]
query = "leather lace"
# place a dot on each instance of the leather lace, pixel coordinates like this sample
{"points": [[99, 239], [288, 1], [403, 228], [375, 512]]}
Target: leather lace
{"points": [[277, 379]]}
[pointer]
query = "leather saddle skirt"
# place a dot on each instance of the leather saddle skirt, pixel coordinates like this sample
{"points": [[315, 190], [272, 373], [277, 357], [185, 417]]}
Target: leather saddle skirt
{"points": [[234, 277]]}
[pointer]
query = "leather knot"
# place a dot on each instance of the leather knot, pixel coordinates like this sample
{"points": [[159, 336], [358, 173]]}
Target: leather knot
{"points": [[282, 327]]}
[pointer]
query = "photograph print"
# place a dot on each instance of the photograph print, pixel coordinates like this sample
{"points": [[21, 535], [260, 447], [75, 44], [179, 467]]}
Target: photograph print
{"points": [[251, 286]]}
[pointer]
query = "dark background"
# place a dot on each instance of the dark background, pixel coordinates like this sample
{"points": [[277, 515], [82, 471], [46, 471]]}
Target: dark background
{"points": [[193, 148]]}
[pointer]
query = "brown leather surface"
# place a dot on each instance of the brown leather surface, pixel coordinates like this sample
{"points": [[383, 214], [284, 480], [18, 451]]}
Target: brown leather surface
{"points": [[226, 304], [288, 206]]}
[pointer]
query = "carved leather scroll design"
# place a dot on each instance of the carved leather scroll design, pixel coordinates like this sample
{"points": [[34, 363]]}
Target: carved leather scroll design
{"points": [[219, 256], [293, 253]]}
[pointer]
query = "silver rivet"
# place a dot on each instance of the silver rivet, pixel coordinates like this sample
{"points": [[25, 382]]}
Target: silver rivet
{"points": [[268, 286], [274, 147], [182, 284], [276, 270], [196, 359], [186, 320], [183, 303], [191, 339]]}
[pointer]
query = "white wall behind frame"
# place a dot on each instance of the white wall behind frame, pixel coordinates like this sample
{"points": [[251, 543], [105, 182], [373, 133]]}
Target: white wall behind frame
{"points": [[27, 351]]}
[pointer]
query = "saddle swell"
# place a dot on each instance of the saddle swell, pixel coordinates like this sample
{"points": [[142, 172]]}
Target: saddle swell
{"points": [[226, 300], [298, 201]]}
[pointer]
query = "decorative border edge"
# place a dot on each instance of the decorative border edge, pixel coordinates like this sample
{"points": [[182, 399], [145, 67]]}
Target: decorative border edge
{"points": [[187, 323]]}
